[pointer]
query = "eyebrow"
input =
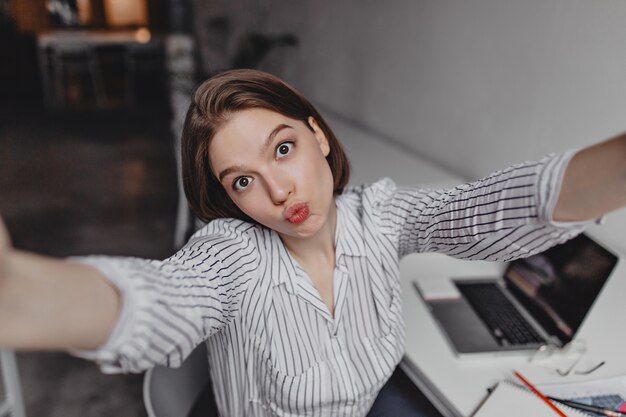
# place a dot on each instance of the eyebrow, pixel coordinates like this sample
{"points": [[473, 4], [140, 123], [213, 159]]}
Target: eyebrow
{"points": [[264, 147]]}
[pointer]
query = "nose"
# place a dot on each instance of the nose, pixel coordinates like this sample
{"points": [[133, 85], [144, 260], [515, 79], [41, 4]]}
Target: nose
{"points": [[279, 186]]}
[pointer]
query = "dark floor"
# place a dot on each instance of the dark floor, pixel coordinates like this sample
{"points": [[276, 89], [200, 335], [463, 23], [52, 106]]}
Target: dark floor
{"points": [[75, 183]]}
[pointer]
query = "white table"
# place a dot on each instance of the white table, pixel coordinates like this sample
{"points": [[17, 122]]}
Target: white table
{"points": [[372, 158], [457, 385]]}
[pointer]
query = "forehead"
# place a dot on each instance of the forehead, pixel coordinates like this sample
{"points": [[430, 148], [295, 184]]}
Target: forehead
{"points": [[244, 133], [251, 122]]}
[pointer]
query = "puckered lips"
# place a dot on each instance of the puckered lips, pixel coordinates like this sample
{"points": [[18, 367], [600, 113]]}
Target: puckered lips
{"points": [[296, 213]]}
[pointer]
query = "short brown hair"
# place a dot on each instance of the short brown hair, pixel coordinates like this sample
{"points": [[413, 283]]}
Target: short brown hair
{"points": [[211, 104]]}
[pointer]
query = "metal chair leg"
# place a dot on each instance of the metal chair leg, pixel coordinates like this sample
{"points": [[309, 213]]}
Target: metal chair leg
{"points": [[12, 385]]}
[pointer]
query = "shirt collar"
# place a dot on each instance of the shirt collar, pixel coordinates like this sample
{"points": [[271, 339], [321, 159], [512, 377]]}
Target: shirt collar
{"points": [[283, 267], [349, 229]]}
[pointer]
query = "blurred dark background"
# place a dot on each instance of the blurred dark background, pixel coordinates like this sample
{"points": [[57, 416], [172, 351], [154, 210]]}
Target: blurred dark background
{"points": [[92, 96], [80, 177]]}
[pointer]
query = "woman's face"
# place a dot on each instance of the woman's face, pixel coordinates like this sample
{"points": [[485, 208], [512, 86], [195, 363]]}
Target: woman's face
{"points": [[274, 169]]}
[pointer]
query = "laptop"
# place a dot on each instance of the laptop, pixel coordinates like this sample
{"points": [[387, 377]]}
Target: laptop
{"points": [[539, 300]]}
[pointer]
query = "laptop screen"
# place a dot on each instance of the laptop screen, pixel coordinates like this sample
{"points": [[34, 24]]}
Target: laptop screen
{"points": [[559, 286]]}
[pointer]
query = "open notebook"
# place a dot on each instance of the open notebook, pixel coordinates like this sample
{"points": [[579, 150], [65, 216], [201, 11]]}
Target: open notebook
{"points": [[511, 400]]}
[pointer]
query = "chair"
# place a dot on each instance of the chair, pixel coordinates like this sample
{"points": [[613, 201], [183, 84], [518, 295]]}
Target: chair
{"points": [[173, 392], [141, 60], [13, 404], [76, 61]]}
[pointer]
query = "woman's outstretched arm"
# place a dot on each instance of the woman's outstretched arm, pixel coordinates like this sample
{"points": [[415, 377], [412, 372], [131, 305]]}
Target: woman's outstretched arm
{"points": [[594, 182], [48, 303], [127, 313], [515, 212]]}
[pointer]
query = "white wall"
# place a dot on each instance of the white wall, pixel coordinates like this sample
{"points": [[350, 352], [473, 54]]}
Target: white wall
{"points": [[472, 84]]}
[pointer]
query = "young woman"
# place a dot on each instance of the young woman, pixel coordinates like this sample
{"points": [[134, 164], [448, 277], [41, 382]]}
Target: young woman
{"points": [[293, 283]]}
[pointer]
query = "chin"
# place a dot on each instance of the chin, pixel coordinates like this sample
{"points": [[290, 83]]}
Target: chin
{"points": [[308, 228]]}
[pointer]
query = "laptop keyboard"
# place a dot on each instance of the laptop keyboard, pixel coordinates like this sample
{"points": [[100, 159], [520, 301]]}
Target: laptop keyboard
{"points": [[504, 321]]}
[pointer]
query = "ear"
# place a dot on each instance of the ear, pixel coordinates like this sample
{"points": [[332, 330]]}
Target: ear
{"points": [[319, 135]]}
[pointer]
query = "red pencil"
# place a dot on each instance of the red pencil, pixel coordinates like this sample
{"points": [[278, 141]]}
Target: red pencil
{"points": [[539, 394]]}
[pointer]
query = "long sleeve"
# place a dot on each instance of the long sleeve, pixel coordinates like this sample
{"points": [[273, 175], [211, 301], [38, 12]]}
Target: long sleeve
{"points": [[503, 216], [170, 306]]}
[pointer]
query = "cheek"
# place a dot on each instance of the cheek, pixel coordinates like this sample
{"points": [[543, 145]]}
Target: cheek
{"points": [[311, 168], [324, 173], [250, 204]]}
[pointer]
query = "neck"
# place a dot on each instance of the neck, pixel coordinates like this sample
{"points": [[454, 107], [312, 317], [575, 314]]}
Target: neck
{"points": [[320, 246]]}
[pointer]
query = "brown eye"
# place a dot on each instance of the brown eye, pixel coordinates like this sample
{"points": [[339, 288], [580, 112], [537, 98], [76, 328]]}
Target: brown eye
{"points": [[284, 149], [241, 183]]}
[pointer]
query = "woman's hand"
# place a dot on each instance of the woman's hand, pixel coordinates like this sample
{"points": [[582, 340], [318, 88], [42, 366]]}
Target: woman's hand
{"points": [[594, 182], [48, 303]]}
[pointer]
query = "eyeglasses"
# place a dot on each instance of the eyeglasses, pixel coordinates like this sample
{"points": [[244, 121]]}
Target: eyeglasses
{"points": [[564, 360]]}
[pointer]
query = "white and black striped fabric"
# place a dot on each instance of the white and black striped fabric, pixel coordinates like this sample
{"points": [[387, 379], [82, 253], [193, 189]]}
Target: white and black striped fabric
{"points": [[274, 348]]}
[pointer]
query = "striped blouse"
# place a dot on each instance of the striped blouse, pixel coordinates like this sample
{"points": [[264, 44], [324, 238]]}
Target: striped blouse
{"points": [[274, 348]]}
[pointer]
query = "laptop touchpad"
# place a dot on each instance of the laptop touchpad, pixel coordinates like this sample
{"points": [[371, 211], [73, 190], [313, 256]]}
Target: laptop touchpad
{"points": [[462, 326]]}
